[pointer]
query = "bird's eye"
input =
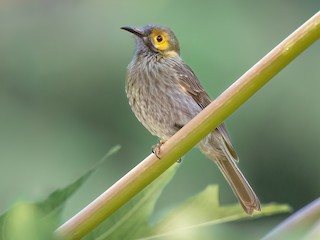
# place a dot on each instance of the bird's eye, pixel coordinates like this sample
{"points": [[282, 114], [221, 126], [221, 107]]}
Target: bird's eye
{"points": [[160, 41], [159, 38]]}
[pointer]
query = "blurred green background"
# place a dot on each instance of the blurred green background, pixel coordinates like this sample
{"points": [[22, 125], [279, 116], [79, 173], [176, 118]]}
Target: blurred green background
{"points": [[63, 105]]}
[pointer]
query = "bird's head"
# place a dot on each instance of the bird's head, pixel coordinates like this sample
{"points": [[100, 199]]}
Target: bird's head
{"points": [[157, 39]]}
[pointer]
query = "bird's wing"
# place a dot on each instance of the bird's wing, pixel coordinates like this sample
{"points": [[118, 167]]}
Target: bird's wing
{"points": [[191, 85], [223, 130]]}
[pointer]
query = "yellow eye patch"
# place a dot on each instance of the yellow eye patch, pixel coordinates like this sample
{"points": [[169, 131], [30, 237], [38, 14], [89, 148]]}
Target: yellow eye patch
{"points": [[160, 40]]}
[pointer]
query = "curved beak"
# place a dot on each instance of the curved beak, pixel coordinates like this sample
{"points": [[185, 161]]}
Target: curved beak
{"points": [[136, 31]]}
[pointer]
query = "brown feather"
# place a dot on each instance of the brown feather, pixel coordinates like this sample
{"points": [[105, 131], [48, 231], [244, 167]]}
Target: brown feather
{"points": [[191, 85]]}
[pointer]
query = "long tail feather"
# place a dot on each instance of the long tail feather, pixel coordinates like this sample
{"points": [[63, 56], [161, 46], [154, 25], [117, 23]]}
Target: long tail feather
{"points": [[217, 149]]}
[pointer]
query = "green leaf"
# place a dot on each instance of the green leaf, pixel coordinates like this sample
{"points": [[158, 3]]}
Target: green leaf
{"points": [[39, 220], [132, 220], [204, 210]]}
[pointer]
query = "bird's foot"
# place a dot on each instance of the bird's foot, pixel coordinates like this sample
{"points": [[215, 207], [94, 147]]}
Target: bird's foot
{"points": [[156, 148]]}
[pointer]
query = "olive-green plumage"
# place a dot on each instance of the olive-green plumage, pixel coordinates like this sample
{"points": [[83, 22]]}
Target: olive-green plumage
{"points": [[165, 94]]}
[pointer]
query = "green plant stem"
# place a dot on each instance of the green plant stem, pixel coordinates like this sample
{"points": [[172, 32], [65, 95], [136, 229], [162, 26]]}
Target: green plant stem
{"points": [[299, 224], [152, 167]]}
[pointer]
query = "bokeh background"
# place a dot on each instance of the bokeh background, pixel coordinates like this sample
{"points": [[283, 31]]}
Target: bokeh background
{"points": [[63, 105]]}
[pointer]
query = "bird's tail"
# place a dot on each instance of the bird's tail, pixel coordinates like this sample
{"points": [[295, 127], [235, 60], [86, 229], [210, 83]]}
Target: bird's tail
{"points": [[222, 152]]}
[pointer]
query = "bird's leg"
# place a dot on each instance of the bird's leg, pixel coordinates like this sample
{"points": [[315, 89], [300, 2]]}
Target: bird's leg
{"points": [[156, 148]]}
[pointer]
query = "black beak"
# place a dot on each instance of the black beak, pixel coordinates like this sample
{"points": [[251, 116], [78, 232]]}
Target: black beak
{"points": [[136, 31]]}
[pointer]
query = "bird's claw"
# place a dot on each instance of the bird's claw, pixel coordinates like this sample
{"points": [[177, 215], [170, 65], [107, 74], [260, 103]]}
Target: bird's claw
{"points": [[156, 148]]}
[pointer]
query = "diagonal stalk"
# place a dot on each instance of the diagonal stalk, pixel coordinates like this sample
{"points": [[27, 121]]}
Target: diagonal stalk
{"points": [[231, 99]]}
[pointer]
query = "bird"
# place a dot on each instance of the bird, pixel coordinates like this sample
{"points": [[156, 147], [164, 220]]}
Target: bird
{"points": [[165, 94]]}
